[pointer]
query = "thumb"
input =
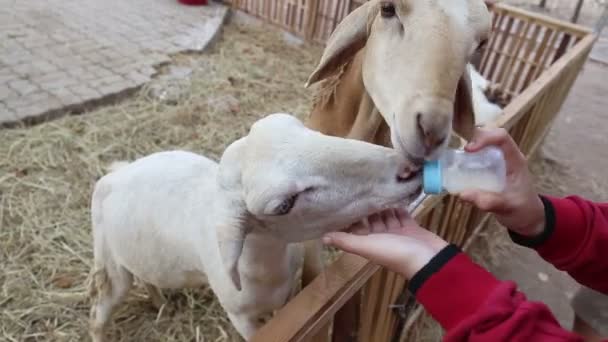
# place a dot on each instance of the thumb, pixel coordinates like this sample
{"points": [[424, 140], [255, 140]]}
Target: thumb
{"points": [[351, 243], [486, 201]]}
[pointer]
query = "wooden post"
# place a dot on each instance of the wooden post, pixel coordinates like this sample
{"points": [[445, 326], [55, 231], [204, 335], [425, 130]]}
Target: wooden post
{"points": [[311, 18], [577, 11], [346, 321]]}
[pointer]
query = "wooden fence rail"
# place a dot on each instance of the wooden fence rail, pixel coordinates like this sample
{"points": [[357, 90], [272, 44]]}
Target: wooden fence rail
{"points": [[533, 57]]}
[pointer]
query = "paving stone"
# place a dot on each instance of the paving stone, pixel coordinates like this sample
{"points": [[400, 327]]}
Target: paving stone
{"points": [[38, 96], [65, 96], [89, 49], [84, 91], [3, 108], [23, 87], [7, 76], [37, 108], [7, 93], [44, 66], [7, 112], [60, 83], [137, 77], [50, 77]]}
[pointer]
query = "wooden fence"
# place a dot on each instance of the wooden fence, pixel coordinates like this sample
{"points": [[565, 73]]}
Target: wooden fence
{"points": [[313, 20], [534, 58]]}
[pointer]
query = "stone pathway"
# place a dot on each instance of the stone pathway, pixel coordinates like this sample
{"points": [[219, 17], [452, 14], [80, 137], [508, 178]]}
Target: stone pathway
{"points": [[600, 50], [57, 55]]}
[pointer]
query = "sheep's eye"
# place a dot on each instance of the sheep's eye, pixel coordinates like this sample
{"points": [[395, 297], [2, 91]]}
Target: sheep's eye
{"points": [[387, 9], [285, 207]]}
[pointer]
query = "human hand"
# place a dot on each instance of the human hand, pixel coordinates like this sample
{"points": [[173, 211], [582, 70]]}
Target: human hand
{"points": [[391, 239], [518, 207]]}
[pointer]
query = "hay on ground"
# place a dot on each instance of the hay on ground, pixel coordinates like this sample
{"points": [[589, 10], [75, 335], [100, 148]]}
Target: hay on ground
{"points": [[47, 173]]}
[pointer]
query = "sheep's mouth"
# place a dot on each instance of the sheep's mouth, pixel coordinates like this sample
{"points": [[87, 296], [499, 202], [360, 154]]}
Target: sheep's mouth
{"points": [[399, 145], [409, 175], [411, 200]]}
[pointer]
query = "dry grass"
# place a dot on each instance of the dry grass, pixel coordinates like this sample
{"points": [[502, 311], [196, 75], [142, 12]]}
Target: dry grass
{"points": [[47, 173]]}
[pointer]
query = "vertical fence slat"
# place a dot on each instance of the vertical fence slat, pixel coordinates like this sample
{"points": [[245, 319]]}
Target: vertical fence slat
{"points": [[311, 18], [509, 53], [520, 39], [549, 50], [368, 317], [532, 41], [397, 289], [538, 55], [497, 22], [384, 304], [504, 34], [346, 322]]}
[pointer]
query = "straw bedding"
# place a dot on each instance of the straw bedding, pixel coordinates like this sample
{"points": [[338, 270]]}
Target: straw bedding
{"points": [[47, 173]]}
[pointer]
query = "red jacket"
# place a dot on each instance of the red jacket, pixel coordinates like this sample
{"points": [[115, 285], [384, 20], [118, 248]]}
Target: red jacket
{"points": [[472, 305]]}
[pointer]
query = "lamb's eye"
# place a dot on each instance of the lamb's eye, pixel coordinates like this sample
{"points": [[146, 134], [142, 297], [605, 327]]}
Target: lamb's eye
{"points": [[387, 9], [285, 207]]}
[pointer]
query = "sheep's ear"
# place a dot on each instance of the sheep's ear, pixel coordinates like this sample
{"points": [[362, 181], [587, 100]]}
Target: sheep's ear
{"points": [[231, 238], [464, 113], [232, 229], [348, 38]]}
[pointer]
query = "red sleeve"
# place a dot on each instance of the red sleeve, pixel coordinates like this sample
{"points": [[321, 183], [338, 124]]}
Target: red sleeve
{"points": [[575, 239], [472, 305]]}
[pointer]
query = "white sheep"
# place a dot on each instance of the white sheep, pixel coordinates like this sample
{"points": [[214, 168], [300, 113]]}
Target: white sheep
{"points": [[176, 219], [486, 112]]}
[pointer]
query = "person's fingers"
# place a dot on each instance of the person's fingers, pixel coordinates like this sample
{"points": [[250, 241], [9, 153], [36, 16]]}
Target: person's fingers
{"points": [[483, 137], [350, 243], [486, 201], [404, 217], [376, 223], [359, 228], [401, 223], [391, 220], [500, 138]]}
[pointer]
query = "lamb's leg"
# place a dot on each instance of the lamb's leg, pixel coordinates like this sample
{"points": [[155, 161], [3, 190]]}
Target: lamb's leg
{"points": [[112, 284], [156, 296]]}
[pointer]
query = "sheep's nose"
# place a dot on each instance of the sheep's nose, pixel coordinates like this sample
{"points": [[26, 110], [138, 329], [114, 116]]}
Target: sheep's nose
{"points": [[433, 133]]}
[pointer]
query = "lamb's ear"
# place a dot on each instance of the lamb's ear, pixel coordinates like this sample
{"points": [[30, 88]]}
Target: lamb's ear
{"points": [[464, 114], [231, 215], [348, 38], [231, 238]]}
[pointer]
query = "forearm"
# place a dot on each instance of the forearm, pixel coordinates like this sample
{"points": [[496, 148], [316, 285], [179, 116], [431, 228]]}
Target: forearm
{"points": [[472, 305], [575, 239]]}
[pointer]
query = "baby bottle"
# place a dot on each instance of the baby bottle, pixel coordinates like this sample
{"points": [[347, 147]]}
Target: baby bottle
{"points": [[457, 170]]}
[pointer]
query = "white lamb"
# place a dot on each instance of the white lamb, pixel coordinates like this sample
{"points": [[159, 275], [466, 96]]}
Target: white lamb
{"points": [[177, 219], [486, 112]]}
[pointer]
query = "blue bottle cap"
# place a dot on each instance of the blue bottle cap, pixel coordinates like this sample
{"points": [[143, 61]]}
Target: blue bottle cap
{"points": [[431, 177]]}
